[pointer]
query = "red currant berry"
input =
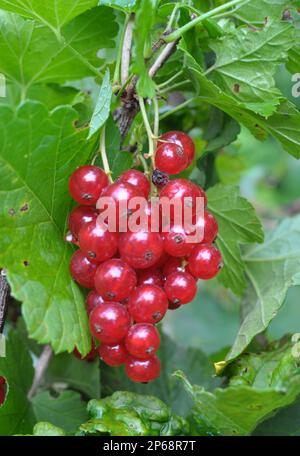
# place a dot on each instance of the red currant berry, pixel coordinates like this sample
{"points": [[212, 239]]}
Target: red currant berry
{"points": [[180, 287], [182, 140], [79, 217], [142, 249], [142, 340], [115, 280], [207, 226], [137, 179], [82, 270], [109, 322], [173, 265], [86, 184], [171, 158], [151, 276], [113, 355], [148, 304], [183, 192], [143, 371], [2, 390], [97, 242], [163, 260], [176, 242], [205, 261], [93, 300], [90, 356]]}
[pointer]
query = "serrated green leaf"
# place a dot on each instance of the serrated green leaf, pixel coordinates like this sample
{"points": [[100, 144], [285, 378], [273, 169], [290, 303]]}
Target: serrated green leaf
{"points": [[272, 268], [53, 13], [286, 422], [102, 109], [16, 414], [256, 11], [222, 130], [31, 53], [66, 411], [282, 125], [126, 413], [128, 6], [45, 429], [246, 62], [38, 152], [84, 376], [238, 224]]}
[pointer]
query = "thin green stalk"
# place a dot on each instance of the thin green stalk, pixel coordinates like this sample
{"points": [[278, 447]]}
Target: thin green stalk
{"points": [[175, 86], [148, 129], [179, 32], [156, 122], [166, 83], [177, 108], [104, 156]]}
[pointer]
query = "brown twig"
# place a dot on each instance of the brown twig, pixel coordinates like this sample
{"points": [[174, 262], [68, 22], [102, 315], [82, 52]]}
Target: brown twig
{"points": [[40, 370], [4, 294]]}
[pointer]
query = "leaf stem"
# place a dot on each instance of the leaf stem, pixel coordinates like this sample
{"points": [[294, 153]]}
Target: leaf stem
{"points": [[175, 86], [148, 129], [40, 370], [174, 36], [156, 123], [126, 49], [104, 156], [166, 83], [177, 108]]}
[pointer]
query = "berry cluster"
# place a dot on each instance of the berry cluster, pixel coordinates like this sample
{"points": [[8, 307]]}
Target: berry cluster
{"points": [[136, 276]]}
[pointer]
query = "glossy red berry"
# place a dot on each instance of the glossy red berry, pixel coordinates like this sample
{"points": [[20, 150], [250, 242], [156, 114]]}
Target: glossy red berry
{"points": [[87, 183], [93, 300], [137, 179], [80, 216], [205, 261], [151, 276], [142, 340], [142, 249], [97, 242], [143, 371], [82, 270], [115, 280], [173, 265], [182, 140], [171, 158], [176, 242], [207, 226], [109, 322], [180, 287], [90, 356], [148, 304], [113, 355]]}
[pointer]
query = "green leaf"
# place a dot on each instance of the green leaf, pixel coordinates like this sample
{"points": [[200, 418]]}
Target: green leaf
{"points": [[16, 414], [238, 224], [127, 6], [84, 376], [126, 413], [67, 410], [119, 161], [102, 109], [246, 62], [45, 429], [38, 152], [144, 22], [222, 130], [53, 13], [256, 11], [272, 268], [282, 125], [260, 385], [32, 53], [286, 422]]}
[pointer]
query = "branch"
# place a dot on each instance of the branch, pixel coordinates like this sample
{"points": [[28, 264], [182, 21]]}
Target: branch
{"points": [[4, 294], [40, 370], [126, 50]]}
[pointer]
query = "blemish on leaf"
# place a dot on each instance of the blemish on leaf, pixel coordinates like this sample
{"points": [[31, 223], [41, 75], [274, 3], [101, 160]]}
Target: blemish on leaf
{"points": [[286, 15], [24, 208], [26, 263], [236, 88], [11, 211]]}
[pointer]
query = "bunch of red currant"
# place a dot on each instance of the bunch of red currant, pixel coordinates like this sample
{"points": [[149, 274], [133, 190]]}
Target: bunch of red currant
{"points": [[136, 276]]}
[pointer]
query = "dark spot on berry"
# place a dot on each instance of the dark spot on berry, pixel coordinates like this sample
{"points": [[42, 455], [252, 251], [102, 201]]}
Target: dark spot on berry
{"points": [[178, 239], [176, 301], [26, 263], [11, 211], [24, 208], [110, 294], [98, 329], [87, 196], [156, 316], [149, 350], [148, 256], [92, 254], [236, 88], [159, 178]]}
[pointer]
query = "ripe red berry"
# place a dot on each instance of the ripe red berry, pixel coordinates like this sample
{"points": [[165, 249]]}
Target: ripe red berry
{"points": [[93, 300], [90, 356], [137, 179], [113, 355], [115, 280], [173, 265], [176, 242], [207, 226], [180, 287], [151, 276], [205, 261], [79, 217], [109, 322], [143, 371], [148, 304], [171, 158], [86, 184], [142, 340], [82, 270], [142, 249], [181, 139], [97, 242]]}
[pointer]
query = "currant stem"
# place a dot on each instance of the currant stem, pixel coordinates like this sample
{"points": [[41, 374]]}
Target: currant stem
{"points": [[126, 49], [104, 156], [177, 108], [179, 32], [156, 123], [148, 129]]}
